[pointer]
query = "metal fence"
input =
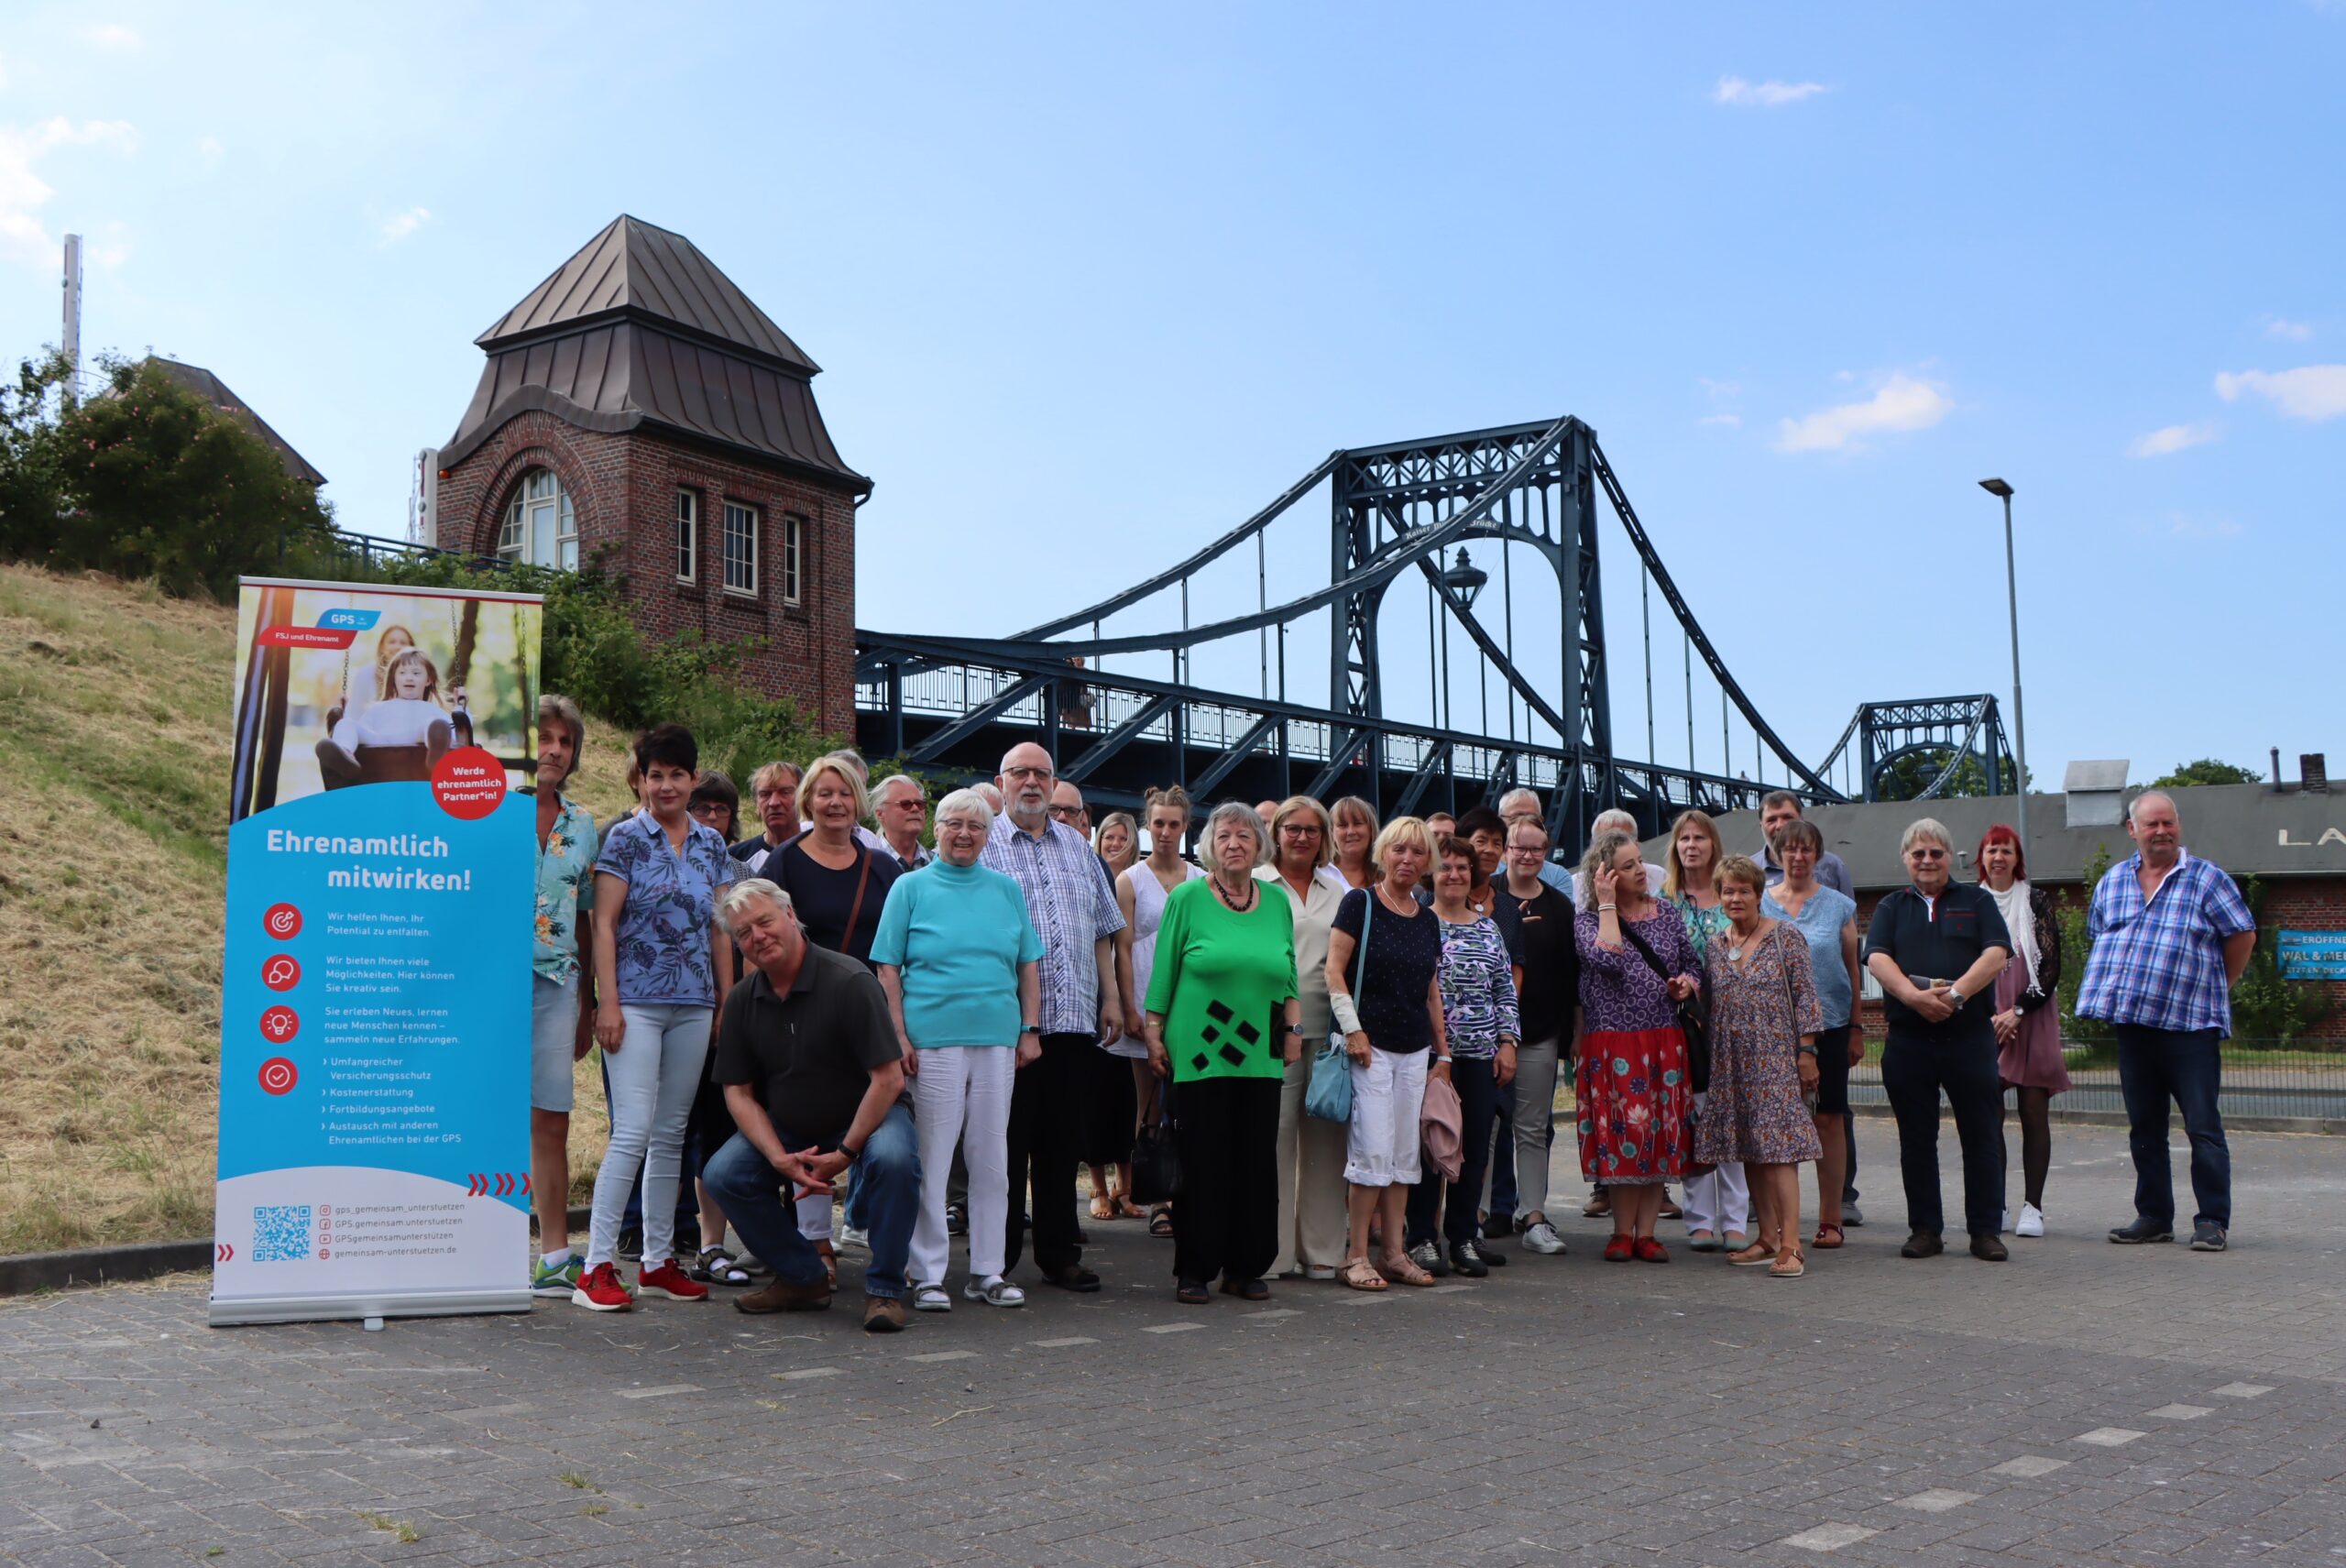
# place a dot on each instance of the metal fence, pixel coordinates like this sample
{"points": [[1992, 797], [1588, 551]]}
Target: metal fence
{"points": [[2260, 1079]]}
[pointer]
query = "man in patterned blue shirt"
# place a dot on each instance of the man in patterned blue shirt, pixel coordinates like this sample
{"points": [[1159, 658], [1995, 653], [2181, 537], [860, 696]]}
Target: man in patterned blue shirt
{"points": [[2170, 936], [1074, 912]]}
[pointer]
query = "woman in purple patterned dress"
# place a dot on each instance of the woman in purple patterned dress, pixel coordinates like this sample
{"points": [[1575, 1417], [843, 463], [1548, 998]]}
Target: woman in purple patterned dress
{"points": [[1765, 1018], [1632, 1089]]}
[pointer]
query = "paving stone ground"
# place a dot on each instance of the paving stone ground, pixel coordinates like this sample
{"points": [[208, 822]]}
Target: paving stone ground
{"points": [[2083, 1404]]}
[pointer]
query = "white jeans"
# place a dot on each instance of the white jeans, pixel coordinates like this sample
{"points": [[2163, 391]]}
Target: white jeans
{"points": [[1381, 1144], [654, 1075], [1720, 1200], [962, 1094]]}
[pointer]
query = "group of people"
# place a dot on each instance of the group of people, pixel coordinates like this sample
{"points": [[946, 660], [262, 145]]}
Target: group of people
{"points": [[1350, 1033]]}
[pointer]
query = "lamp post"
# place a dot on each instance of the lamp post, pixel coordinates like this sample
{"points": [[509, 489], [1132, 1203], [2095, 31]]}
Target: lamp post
{"points": [[2003, 492]]}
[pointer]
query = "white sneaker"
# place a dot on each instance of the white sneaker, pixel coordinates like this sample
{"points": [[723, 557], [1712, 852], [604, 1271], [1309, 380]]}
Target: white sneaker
{"points": [[2031, 1221], [849, 1237], [1542, 1238]]}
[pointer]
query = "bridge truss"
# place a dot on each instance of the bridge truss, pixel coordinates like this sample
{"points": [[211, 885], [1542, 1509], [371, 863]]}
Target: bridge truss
{"points": [[1408, 510]]}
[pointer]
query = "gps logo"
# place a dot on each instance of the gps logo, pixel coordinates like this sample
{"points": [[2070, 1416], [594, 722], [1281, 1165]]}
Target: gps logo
{"points": [[349, 620]]}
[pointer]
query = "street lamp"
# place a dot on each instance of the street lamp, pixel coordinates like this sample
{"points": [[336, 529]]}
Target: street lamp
{"points": [[2003, 492], [1465, 579]]}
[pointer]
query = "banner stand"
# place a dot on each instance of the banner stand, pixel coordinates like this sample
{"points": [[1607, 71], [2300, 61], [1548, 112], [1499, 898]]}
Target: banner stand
{"points": [[374, 1134]]}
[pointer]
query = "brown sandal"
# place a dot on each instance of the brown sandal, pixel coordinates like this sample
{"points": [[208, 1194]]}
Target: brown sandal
{"points": [[1401, 1271], [1827, 1237], [1788, 1265], [1104, 1207], [1361, 1274]]}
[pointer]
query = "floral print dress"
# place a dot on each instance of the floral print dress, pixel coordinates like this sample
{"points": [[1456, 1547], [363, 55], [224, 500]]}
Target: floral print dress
{"points": [[1759, 1009], [1632, 1089]]}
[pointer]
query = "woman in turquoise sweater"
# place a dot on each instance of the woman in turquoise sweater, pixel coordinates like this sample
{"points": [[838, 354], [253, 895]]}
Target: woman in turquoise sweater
{"points": [[957, 957], [1224, 1022]]}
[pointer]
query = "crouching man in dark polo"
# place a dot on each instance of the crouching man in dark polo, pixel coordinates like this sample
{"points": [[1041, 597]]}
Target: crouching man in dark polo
{"points": [[811, 1069]]}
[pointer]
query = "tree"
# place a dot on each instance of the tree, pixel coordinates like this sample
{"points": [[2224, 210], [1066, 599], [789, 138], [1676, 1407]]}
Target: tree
{"points": [[146, 479], [2206, 771]]}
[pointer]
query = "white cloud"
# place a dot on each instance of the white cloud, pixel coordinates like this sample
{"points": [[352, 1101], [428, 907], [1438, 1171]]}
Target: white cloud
{"points": [[399, 227], [2309, 392], [111, 35], [2281, 330], [22, 192], [1719, 389], [1737, 93], [1901, 403], [2168, 440]]}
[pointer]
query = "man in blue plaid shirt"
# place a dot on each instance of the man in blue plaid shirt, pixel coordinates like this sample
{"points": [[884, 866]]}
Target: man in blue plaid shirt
{"points": [[2170, 935]]}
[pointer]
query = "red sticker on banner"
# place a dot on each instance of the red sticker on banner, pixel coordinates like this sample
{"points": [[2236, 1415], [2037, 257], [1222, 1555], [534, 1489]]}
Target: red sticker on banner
{"points": [[468, 782], [304, 637], [281, 971], [279, 1076], [282, 922], [281, 1024]]}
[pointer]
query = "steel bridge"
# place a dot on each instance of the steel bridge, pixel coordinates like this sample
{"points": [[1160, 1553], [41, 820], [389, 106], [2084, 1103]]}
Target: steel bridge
{"points": [[951, 706]]}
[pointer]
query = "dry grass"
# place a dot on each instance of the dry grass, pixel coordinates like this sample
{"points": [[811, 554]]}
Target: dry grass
{"points": [[114, 781]]}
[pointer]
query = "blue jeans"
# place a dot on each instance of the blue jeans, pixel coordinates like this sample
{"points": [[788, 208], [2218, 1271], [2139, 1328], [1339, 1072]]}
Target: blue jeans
{"points": [[2186, 1066], [887, 1183]]}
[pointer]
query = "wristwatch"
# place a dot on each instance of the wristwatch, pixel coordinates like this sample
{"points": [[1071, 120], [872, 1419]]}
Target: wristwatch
{"points": [[1030, 1028]]}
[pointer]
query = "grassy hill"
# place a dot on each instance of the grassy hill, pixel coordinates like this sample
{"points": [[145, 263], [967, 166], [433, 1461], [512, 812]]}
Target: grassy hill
{"points": [[113, 826]]}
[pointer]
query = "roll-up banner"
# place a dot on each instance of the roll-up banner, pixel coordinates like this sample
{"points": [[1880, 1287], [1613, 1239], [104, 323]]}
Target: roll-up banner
{"points": [[375, 1004]]}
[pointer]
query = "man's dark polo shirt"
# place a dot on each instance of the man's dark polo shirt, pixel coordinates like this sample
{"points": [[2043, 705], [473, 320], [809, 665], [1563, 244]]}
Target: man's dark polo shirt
{"points": [[809, 1052], [1939, 940]]}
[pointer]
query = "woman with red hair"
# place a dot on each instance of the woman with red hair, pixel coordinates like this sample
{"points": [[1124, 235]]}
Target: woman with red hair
{"points": [[2028, 1023]]}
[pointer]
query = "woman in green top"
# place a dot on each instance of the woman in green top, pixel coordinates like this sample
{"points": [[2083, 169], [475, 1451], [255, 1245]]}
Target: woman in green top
{"points": [[1224, 1022]]}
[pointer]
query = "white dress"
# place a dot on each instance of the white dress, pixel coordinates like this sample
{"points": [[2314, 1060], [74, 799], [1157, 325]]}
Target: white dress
{"points": [[1148, 914], [389, 721]]}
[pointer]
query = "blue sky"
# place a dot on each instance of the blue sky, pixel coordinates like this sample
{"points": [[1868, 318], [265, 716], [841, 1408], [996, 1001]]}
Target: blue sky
{"points": [[1091, 283]]}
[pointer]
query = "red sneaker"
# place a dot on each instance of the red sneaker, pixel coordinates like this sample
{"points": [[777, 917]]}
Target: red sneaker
{"points": [[599, 1290], [1620, 1249], [1651, 1251], [670, 1281]]}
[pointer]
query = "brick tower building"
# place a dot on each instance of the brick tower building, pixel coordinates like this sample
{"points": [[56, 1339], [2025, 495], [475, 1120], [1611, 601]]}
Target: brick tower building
{"points": [[637, 409]]}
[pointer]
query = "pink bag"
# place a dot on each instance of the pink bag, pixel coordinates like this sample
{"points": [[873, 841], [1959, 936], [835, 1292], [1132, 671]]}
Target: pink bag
{"points": [[1441, 1123]]}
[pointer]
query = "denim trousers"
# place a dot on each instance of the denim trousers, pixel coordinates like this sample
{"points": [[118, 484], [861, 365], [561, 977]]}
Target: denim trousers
{"points": [[652, 1078], [758, 1202], [1476, 1081], [2185, 1065]]}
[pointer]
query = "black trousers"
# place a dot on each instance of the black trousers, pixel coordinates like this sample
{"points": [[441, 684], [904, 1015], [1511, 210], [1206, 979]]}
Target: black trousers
{"points": [[1110, 1108], [1914, 1073], [1476, 1081], [1046, 1126], [1227, 1130]]}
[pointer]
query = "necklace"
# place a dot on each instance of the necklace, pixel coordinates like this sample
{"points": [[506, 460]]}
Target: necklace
{"points": [[1734, 948], [1254, 891]]}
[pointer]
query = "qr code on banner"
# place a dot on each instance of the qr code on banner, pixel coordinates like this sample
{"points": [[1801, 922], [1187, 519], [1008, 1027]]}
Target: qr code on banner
{"points": [[280, 1233]]}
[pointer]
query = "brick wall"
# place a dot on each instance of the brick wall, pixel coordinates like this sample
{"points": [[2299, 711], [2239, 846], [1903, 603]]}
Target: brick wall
{"points": [[623, 490], [2301, 904]]}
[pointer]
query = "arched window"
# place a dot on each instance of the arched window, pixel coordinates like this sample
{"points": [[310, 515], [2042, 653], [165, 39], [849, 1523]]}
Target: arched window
{"points": [[540, 529]]}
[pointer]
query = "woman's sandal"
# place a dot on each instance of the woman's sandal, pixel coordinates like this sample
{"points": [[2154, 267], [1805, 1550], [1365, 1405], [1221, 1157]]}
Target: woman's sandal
{"points": [[1757, 1253], [1827, 1237], [1104, 1207], [1401, 1271], [830, 1261], [1789, 1265], [1160, 1220], [1128, 1210], [715, 1266], [1361, 1274]]}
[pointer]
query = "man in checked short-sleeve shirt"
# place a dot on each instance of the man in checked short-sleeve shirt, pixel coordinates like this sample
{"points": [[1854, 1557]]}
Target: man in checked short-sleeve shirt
{"points": [[2170, 936], [1071, 907]]}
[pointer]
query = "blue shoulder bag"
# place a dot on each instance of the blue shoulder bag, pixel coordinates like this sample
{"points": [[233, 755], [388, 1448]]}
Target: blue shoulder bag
{"points": [[1328, 1096]]}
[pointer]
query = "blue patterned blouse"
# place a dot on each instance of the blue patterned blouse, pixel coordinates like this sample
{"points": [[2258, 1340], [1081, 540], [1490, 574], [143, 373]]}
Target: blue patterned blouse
{"points": [[662, 938], [1477, 988]]}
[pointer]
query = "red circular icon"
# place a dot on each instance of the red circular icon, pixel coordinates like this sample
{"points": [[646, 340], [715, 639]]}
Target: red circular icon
{"points": [[279, 1025], [279, 1076], [282, 922], [281, 971], [468, 784]]}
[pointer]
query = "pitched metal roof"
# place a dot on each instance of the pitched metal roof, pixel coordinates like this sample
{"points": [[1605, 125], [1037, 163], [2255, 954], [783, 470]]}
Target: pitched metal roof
{"points": [[214, 390], [640, 328], [636, 268]]}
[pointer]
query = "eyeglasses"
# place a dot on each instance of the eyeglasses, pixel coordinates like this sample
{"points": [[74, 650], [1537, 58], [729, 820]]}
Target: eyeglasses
{"points": [[707, 808], [1067, 813], [1026, 772], [1921, 854], [1300, 830]]}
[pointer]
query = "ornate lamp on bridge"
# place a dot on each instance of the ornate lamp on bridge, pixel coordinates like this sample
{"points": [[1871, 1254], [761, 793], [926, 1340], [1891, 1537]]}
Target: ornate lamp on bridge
{"points": [[1464, 579]]}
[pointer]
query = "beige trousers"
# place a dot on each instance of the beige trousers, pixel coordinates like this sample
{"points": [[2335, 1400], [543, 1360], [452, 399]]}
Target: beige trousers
{"points": [[1312, 1221]]}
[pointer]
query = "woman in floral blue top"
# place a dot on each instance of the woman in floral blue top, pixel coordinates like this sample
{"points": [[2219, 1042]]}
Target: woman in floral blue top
{"points": [[664, 963], [1478, 1014]]}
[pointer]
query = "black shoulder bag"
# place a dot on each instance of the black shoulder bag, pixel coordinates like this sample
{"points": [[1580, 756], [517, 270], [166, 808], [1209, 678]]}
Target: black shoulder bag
{"points": [[1694, 1013]]}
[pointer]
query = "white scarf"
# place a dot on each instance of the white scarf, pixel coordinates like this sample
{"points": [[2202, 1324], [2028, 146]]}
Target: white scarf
{"points": [[2020, 921]]}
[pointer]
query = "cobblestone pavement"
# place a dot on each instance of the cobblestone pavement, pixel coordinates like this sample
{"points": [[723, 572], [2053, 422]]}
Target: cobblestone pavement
{"points": [[2083, 1404]]}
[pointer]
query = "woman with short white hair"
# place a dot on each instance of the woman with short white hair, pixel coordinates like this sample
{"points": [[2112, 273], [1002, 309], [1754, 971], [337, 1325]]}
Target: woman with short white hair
{"points": [[958, 959]]}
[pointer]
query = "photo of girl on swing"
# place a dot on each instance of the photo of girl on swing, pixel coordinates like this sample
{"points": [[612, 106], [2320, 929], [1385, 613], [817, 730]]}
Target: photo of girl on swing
{"points": [[342, 686]]}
